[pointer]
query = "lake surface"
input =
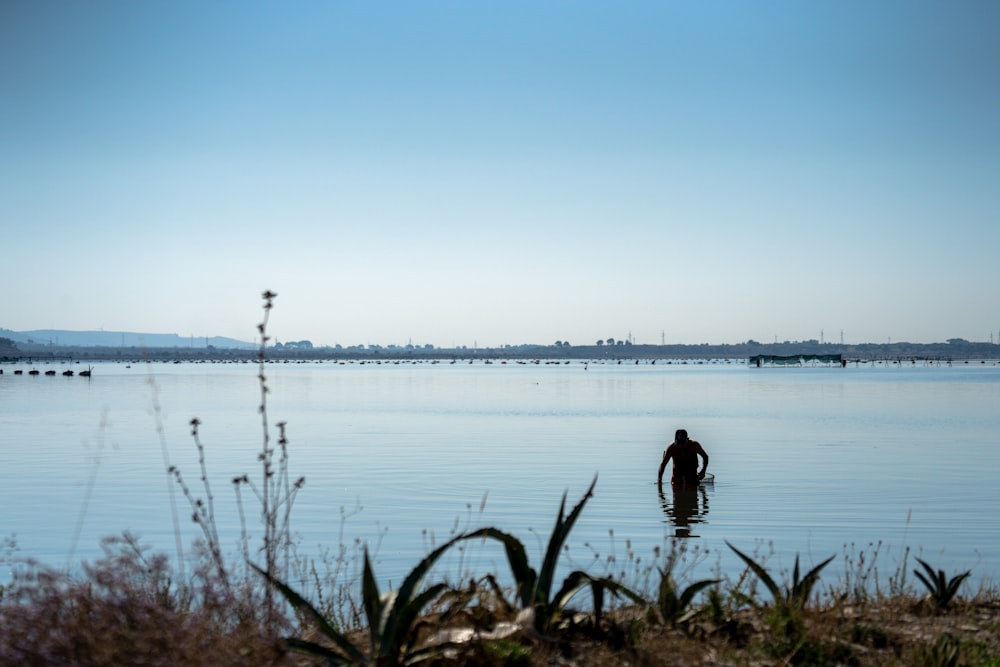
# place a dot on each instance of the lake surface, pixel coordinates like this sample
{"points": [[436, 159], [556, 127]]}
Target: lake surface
{"points": [[813, 461]]}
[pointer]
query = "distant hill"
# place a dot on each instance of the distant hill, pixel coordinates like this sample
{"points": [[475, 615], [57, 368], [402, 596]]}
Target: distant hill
{"points": [[59, 337]]}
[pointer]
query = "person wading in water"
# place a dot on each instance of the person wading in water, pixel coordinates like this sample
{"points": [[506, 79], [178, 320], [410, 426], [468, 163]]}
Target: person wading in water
{"points": [[684, 453]]}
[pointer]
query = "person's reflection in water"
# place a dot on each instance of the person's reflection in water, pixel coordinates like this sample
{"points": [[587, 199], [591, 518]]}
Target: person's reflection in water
{"points": [[687, 506]]}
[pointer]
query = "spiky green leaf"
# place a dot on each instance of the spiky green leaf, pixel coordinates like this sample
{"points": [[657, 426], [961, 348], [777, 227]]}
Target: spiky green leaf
{"points": [[525, 576], [371, 601], [688, 595], [303, 606], [802, 589], [941, 589], [401, 613], [761, 573], [572, 584], [560, 532]]}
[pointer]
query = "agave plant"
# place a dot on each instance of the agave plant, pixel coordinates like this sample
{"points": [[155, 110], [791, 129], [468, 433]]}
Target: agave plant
{"points": [[941, 589], [793, 597], [391, 618], [677, 608], [534, 588]]}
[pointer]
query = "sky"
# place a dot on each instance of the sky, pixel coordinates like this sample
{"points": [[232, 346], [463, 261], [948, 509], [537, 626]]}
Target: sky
{"points": [[484, 173]]}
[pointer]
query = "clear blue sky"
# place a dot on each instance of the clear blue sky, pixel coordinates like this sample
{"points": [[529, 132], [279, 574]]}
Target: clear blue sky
{"points": [[462, 173]]}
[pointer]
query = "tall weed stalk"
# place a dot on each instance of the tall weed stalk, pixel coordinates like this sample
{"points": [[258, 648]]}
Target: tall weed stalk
{"points": [[274, 491]]}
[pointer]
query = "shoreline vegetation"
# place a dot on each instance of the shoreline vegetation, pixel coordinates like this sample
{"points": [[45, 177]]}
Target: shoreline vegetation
{"points": [[270, 604], [953, 350]]}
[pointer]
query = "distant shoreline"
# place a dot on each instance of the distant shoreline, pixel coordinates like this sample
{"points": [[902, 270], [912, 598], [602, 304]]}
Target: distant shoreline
{"points": [[954, 350]]}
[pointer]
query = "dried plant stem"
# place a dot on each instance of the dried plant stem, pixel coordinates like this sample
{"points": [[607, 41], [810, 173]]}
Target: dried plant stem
{"points": [[203, 512], [266, 454], [277, 492], [158, 416], [244, 537], [88, 489]]}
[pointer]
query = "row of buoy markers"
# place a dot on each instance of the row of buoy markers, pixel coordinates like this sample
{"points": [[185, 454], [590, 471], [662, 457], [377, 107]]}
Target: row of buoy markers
{"points": [[35, 371]]}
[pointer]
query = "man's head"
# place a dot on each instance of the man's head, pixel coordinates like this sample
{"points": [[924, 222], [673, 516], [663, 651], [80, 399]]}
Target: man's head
{"points": [[681, 435]]}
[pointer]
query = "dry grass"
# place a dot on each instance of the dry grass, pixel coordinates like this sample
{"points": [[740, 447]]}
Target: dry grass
{"points": [[128, 609], [898, 631], [886, 633]]}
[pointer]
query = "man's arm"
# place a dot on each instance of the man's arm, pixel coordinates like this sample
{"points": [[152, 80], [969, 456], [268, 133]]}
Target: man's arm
{"points": [[663, 466], [704, 466]]}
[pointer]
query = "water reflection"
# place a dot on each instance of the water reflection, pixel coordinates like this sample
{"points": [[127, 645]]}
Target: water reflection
{"points": [[684, 508]]}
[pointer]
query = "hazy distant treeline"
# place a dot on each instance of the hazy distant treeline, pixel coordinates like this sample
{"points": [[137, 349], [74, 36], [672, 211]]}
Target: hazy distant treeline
{"points": [[954, 349]]}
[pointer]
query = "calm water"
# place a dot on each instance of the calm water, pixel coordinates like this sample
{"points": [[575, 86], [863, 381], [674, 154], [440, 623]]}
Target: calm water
{"points": [[811, 460]]}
